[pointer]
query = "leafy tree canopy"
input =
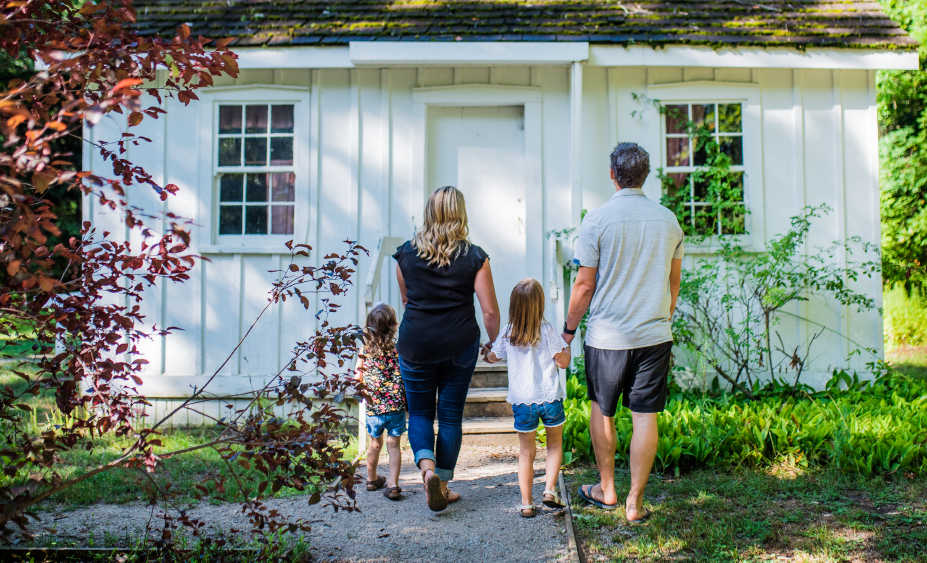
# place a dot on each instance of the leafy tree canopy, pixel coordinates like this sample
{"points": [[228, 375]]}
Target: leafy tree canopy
{"points": [[902, 101]]}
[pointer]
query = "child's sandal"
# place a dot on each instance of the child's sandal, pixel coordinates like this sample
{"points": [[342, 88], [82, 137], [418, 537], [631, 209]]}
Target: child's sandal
{"points": [[527, 511], [553, 500], [392, 493], [376, 483]]}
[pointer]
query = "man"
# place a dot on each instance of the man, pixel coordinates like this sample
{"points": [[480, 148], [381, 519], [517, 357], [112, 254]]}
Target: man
{"points": [[629, 253]]}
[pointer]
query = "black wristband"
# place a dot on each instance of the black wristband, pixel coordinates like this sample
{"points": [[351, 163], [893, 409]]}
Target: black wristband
{"points": [[568, 331]]}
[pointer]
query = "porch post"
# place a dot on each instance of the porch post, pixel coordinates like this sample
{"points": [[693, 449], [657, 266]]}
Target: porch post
{"points": [[576, 143], [576, 169]]}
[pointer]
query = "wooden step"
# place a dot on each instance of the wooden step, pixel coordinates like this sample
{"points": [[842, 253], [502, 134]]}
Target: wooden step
{"points": [[486, 402], [486, 411], [488, 425], [490, 375], [487, 394]]}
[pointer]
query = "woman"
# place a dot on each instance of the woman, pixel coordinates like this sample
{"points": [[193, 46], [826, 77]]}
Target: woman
{"points": [[439, 339]]}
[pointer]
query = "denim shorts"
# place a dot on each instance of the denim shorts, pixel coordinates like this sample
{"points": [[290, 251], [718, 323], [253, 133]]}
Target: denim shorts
{"points": [[393, 422], [528, 416]]}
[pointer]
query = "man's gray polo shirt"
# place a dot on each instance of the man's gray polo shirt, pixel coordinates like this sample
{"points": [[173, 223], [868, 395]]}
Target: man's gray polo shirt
{"points": [[632, 241]]}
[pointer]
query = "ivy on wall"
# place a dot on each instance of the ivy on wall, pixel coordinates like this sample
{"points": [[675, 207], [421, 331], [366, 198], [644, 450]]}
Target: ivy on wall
{"points": [[708, 197]]}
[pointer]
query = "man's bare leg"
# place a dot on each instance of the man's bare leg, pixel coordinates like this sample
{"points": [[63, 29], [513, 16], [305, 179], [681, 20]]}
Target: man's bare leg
{"points": [[602, 431], [643, 452]]}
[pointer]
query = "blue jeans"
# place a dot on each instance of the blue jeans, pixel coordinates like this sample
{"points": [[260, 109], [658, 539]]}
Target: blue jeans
{"points": [[449, 380]]}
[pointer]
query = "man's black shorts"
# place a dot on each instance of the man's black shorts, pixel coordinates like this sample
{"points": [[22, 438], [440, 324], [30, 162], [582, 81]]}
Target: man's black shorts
{"points": [[637, 377]]}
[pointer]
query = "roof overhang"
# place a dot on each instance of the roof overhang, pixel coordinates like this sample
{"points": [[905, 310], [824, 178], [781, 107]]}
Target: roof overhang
{"points": [[379, 53], [430, 53], [754, 57]]}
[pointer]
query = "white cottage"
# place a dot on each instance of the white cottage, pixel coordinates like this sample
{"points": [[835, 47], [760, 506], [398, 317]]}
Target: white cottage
{"points": [[347, 113]]}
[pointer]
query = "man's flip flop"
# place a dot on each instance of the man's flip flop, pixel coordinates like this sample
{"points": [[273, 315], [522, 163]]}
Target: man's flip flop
{"points": [[588, 498], [642, 519]]}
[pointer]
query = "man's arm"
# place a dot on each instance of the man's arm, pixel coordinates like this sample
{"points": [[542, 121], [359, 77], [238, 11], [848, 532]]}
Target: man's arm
{"points": [[675, 279], [580, 298]]}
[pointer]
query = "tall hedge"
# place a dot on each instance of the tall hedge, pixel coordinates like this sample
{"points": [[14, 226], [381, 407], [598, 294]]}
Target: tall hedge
{"points": [[902, 101]]}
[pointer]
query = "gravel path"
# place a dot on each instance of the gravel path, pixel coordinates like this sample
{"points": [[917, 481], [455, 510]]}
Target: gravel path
{"points": [[483, 526]]}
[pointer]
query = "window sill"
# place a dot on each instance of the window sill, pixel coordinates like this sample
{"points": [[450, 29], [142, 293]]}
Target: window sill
{"points": [[265, 248], [712, 245]]}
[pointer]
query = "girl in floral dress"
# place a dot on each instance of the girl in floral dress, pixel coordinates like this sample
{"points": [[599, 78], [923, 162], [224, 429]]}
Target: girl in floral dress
{"points": [[378, 368]]}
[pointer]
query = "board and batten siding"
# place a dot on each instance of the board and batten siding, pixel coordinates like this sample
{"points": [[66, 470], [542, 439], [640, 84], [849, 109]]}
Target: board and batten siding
{"points": [[817, 131]]}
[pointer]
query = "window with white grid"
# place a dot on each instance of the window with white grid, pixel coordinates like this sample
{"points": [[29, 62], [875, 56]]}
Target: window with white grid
{"points": [[684, 156], [257, 176]]}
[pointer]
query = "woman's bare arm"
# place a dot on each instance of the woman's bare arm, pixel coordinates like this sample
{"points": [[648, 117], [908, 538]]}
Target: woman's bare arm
{"points": [[402, 286], [486, 293]]}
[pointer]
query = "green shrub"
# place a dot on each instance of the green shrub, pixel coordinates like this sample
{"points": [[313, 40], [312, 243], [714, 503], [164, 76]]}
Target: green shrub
{"points": [[867, 427]]}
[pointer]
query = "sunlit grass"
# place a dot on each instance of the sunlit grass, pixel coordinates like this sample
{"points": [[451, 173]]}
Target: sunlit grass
{"points": [[818, 515], [905, 316]]}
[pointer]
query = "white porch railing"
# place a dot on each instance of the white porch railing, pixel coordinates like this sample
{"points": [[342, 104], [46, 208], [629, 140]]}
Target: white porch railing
{"points": [[386, 247]]}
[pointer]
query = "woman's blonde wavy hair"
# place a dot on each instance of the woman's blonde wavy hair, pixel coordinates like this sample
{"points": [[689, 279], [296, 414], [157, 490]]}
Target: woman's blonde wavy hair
{"points": [[444, 232]]}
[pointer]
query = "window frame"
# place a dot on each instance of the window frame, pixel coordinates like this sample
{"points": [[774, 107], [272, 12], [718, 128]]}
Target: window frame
{"points": [[711, 92], [255, 94], [691, 168]]}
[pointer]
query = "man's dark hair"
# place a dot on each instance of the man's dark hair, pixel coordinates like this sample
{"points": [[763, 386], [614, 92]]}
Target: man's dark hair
{"points": [[630, 164]]}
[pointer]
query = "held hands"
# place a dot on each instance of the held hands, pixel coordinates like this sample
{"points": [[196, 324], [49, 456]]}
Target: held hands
{"points": [[488, 356], [568, 338]]}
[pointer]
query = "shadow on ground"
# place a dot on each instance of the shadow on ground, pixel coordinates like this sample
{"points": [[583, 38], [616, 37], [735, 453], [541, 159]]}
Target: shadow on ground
{"points": [[807, 515], [483, 526]]}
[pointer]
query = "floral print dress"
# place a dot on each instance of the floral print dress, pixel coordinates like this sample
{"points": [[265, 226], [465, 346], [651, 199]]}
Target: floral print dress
{"points": [[385, 391]]}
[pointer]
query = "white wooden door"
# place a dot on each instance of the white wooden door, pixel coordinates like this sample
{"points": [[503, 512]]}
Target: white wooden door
{"points": [[481, 151]]}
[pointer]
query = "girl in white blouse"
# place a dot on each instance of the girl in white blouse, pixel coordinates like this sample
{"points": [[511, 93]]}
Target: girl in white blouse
{"points": [[534, 351]]}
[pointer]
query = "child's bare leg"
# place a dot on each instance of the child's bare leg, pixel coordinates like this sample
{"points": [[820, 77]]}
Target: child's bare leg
{"points": [[373, 457], [394, 450], [554, 455], [527, 442]]}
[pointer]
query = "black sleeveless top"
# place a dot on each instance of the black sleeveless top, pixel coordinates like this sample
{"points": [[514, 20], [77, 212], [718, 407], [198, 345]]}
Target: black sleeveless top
{"points": [[439, 320]]}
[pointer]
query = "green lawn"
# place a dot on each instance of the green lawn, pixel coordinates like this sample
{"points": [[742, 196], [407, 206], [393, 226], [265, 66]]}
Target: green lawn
{"points": [[909, 360], [178, 475], [817, 515], [905, 316]]}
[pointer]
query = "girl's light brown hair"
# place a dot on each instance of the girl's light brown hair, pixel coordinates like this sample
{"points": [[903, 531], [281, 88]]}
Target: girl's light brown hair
{"points": [[380, 332], [444, 232], [526, 313]]}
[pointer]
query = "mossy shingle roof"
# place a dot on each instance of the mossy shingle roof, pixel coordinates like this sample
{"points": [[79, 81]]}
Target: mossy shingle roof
{"points": [[833, 23]]}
